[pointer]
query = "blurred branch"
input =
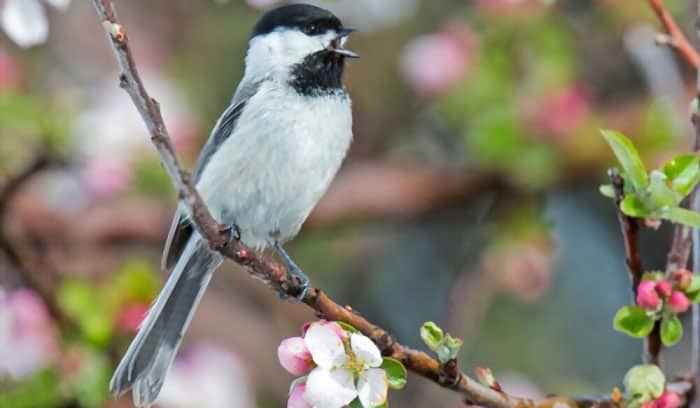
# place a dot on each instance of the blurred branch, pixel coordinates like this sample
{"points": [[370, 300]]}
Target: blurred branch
{"points": [[676, 39], [381, 189], [273, 273], [30, 275]]}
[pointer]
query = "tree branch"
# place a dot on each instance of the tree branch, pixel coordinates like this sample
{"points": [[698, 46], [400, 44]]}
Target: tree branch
{"points": [[676, 39], [273, 273], [27, 270]]}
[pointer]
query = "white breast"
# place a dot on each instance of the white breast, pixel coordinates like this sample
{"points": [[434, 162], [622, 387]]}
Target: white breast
{"points": [[270, 173]]}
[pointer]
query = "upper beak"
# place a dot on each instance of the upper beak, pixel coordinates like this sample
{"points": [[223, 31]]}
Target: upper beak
{"points": [[337, 45]]}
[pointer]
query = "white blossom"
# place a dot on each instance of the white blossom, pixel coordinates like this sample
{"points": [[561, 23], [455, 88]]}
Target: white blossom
{"points": [[343, 372], [25, 22]]}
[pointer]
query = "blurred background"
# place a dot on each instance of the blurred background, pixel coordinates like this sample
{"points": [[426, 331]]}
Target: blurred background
{"points": [[469, 196]]}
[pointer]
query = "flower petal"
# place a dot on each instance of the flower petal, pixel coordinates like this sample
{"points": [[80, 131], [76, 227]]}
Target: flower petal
{"points": [[372, 387], [327, 350], [296, 397], [24, 22], [294, 356], [365, 350], [330, 388]]}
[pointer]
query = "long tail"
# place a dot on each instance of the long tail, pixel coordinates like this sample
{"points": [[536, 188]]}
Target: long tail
{"points": [[152, 351]]}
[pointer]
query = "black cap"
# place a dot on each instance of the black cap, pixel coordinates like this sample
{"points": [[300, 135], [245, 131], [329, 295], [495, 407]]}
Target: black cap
{"points": [[307, 18]]}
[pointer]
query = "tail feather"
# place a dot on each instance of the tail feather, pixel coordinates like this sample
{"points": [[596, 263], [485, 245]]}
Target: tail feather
{"points": [[152, 351]]}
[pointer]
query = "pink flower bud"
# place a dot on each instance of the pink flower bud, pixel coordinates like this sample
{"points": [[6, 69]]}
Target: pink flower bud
{"points": [[663, 288], [296, 397], [668, 400], [333, 325], [647, 296], [294, 356], [456, 56], [682, 278], [678, 302]]}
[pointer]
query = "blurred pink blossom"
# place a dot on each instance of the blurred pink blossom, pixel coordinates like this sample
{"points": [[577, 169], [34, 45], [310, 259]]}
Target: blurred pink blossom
{"points": [[130, 317], [522, 269], [511, 7], [105, 177], [10, 71], [560, 112], [28, 337], [206, 376], [434, 63], [294, 356], [25, 22]]}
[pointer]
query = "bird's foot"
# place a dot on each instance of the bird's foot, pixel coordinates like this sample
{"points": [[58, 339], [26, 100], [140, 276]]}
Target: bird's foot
{"points": [[233, 231], [295, 273]]}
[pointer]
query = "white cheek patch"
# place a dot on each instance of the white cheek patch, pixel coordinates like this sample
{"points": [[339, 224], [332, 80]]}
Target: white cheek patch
{"points": [[277, 51]]}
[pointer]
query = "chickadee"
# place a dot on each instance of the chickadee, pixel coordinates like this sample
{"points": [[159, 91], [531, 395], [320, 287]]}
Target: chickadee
{"points": [[268, 160]]}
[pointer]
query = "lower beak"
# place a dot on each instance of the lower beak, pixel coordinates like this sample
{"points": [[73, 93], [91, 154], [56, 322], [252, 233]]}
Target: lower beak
{"points": [[337, 47]]}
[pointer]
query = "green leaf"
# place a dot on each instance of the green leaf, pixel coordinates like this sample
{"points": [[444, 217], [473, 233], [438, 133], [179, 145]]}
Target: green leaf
{"points": [[448, 349], [607, 190], [431, 334], [633, 321], [644, 382], [355, 403], [628, 157], [653, 275], [395, 373], [683, 172], [693, 290], [633, 207], [682, 216], [348, 328], [671, 330], [660, 195], [81, 302]]}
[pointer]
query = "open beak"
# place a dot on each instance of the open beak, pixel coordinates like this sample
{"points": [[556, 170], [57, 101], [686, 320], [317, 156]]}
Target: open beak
{"points": [[338, 43]]}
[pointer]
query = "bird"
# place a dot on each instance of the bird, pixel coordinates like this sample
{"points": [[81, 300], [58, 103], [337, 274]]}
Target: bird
{"points": [[270, 157]]}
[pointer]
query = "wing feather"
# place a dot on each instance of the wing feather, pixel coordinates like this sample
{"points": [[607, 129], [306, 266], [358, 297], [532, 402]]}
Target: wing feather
{"points": [[181, 228]]}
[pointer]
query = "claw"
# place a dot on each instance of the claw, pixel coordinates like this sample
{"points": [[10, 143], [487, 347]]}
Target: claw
{"points": [[294, 272], [233, 230]]}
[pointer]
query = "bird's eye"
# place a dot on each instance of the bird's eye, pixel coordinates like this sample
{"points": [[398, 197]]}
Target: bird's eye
{"points": [[311, 29]]}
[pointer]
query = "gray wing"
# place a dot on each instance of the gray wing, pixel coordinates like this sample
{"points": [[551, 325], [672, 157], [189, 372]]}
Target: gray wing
{"points": [[181, 228]]}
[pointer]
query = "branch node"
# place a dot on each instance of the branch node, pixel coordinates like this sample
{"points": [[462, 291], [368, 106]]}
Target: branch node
{"points": [[123, 81], [449, 375]]}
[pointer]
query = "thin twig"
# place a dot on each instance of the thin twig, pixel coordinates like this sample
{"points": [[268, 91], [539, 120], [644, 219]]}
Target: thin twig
{"points": [[273, 273], [630, 229], [676, 39], [28, 273]]}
